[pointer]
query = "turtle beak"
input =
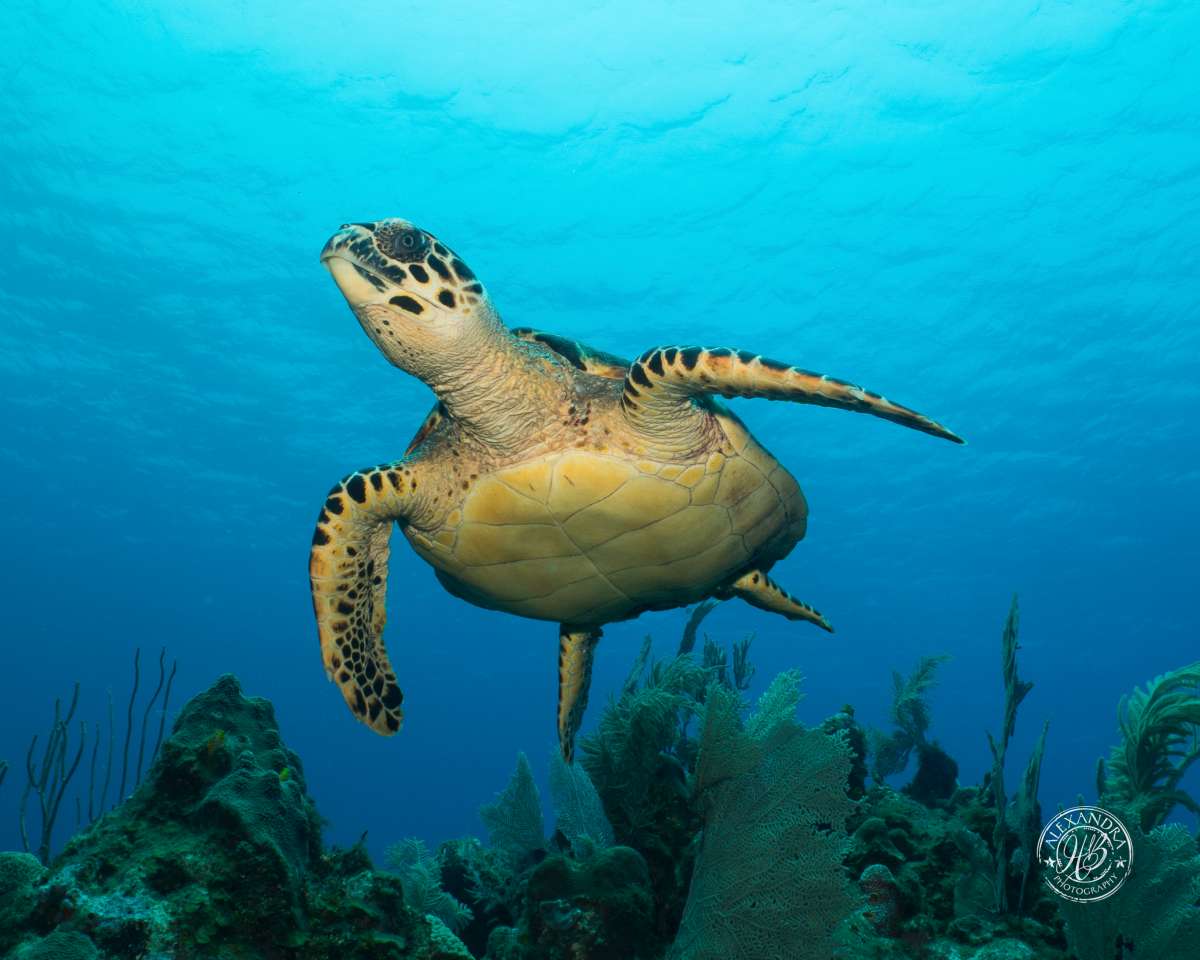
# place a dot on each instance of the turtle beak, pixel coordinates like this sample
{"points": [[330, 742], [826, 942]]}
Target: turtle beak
{"points": [[354, 283], [341, 257], [346, 233]]}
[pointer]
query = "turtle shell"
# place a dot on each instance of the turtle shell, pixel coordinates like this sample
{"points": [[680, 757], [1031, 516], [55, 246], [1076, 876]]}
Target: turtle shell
{"points": [[588, 537]]}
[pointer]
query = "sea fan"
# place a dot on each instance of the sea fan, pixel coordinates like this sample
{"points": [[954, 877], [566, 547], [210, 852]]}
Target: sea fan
{"points": [[514, 819], [768, 880], [580, 813]]}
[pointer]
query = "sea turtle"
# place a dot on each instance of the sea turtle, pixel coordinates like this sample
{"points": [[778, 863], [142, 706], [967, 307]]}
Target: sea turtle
{"points": [[551, 480]]}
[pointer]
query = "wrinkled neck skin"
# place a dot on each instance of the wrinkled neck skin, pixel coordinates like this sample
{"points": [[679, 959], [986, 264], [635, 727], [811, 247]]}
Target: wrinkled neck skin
{"points": [[500, 390]]}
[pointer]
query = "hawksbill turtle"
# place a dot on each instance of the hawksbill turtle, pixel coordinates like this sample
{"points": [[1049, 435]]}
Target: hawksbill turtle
{"points": [[551, 480]]}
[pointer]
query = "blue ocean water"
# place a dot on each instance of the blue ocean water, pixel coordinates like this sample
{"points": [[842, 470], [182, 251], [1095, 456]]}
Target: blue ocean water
{"points": [[986, 211]]}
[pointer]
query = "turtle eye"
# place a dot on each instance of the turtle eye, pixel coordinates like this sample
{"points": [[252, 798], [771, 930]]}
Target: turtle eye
{"points": [[404, 244]]}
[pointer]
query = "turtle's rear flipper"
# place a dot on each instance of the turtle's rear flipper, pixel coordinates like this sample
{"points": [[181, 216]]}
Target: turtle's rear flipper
{"points": [[759, 590], [348, 570], [661, 385], [576, 651]]}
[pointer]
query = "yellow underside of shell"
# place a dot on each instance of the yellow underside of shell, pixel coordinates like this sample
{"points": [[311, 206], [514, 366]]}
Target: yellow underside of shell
{"points": [[587, 537]]}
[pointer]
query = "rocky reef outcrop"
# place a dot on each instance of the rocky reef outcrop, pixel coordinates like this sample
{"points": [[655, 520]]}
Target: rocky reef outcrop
{"points": [[217, 854]]}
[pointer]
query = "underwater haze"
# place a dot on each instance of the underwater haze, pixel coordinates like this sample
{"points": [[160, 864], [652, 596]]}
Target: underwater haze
{"points": [[987, 211]]}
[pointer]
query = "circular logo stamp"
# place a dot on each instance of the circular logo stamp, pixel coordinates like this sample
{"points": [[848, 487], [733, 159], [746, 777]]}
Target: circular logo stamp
{"points": [[1086, 854]]}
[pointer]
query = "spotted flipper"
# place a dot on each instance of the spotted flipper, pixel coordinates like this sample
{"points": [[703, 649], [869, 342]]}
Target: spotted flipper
{"points": [[576, 651], [662, 383], [582, 357], [759, 590], [348, 573]]}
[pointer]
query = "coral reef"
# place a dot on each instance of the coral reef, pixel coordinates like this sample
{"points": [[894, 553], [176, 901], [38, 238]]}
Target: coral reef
{"points": [[956, 858], [959, 877], [587, 899], [527, 900], [693, 828], [738, 819], [689, 829], [599, 908], [216, 854], [928, 875]]}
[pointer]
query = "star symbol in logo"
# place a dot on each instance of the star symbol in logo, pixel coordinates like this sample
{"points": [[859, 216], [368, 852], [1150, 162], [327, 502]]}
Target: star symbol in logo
{"points": [[1120, 863], [1049, 861]]}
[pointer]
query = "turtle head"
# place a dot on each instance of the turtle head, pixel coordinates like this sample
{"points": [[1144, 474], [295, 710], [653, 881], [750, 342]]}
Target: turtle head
{"points": [[414, 297]]}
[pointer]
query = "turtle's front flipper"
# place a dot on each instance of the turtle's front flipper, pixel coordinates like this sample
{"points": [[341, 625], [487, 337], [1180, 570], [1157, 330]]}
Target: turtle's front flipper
{"points": [[576, 651], [662, 383], [759, 590], [348, 570]]}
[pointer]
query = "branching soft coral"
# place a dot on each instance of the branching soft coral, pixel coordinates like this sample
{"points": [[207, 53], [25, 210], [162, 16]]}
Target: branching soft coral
{"points": [[1015, 691], [636, 740], [1160, 730], [420, 877], [910, 715]]}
